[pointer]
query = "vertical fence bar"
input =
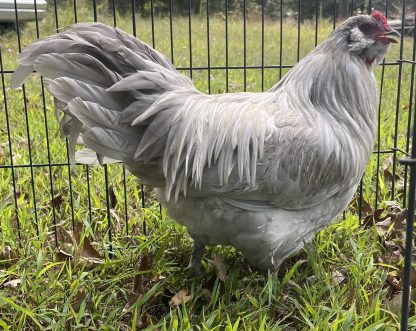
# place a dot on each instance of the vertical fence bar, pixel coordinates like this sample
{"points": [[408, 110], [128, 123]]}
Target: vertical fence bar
{"points": [[411, 162], [32, 174], [317, 2], [107, 202], [75, 12], [66, 140], [94, 9], [298, 36], [190, 38], [226, 47], [133, 17], [9, 138], [171, 30], [208, 50], [245, 44], [398, 99], [281, 39], [409, 118], [152, 14], [262, 45], [114, 14], [143, 206], [379, 137]]}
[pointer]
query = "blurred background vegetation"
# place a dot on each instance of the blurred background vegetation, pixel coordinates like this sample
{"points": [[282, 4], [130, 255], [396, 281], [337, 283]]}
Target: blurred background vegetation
{"points": [[272, 8]]}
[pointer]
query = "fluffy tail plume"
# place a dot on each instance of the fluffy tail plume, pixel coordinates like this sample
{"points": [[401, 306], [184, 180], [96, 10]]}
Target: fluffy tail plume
{"points": [[102, 80]]}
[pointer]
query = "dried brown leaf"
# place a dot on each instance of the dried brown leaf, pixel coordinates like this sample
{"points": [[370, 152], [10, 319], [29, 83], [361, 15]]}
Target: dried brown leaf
{"points": [[378, 215], [337, 277], [395, 283], [67, 237], [393, 206], [77, 232], [394, 305], [387, 162], [220, 267], [24, 142], [412, 277], [6, 253], [388, 176], [145, 264], [89, 262], [116, 218], [112, 197], [383, 227], [62, 256], [179, 298], [206, 294], [391, 258], [58, 200], [79, 297], [13, 284], [88, 250]]}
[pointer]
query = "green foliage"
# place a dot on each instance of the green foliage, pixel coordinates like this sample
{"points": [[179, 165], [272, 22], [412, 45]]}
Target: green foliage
{"points": [[307, 9]]}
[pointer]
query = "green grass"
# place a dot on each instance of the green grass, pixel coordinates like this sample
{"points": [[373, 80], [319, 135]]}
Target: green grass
{"points": [[56, 295]]}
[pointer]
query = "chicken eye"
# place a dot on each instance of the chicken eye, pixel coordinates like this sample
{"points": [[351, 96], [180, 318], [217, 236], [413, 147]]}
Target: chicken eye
{"points": [[365, 28]]}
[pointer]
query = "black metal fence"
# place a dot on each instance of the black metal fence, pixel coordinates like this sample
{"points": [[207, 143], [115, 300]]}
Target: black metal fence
{"points": [[40, 192]]}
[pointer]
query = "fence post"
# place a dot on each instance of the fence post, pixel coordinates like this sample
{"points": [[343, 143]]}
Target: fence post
{"points": [[411, 162]]}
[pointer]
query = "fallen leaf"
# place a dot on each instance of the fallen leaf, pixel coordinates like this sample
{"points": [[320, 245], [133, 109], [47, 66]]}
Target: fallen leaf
{"points": [[394, 283], [393, 206], [412, 277], [62, 256], [337, 277], [116, 218], [179, 298], [394, 305], [89, 262], [58, 200], [137, 283], [391, 258], [383, 227], [6, 253], [112, 197], [79, 297], [13, 284], [388, 161], [206, 294], [220, 267], [67, 237], [24, 142], [88, 250]]}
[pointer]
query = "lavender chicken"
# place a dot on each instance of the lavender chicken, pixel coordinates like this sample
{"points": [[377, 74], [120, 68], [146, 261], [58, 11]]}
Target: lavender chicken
{"points": [[262, 172]]}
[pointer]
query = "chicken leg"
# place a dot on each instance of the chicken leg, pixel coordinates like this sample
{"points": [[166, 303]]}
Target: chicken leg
{"points": [[197, 255]]}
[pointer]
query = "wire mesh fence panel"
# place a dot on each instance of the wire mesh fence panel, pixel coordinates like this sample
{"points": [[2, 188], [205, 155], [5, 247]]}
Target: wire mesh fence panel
{"points": [[224, 46]]}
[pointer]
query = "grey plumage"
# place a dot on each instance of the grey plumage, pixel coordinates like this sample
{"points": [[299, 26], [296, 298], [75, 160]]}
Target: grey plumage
{"points": [[259, 171]]}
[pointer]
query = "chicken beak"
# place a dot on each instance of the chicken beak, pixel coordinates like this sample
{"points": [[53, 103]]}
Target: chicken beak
{"points": [[393, 36]]}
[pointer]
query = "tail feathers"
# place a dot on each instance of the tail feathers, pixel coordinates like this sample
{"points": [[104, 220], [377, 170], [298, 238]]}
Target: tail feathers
{"points": [[65, 89], [87, 116], [160, 81], [21, 75], [76, 66], [93, 115], [88, 156], [110, 143], [120, 95]]}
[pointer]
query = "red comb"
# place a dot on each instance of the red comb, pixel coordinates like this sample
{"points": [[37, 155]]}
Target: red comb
{"points": [[381, 18]]}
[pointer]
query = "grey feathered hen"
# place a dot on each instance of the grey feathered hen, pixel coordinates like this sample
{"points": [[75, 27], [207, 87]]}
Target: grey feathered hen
{"points": [[259, 171]]}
